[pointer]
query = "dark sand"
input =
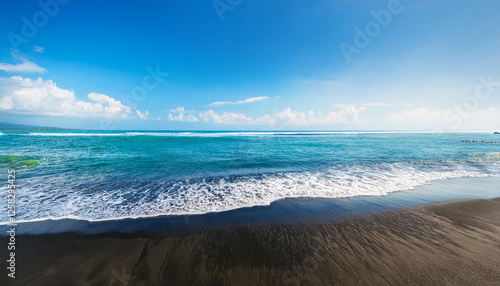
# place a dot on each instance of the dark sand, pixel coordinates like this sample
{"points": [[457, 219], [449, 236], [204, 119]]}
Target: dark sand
{"points": [[453, 243]]}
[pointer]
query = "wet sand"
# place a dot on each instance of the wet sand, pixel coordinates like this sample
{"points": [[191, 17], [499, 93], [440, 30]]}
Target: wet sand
{"points": [[452, 243]]}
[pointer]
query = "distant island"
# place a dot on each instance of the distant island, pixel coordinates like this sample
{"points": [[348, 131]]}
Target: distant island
{"points": [[14, 126]]}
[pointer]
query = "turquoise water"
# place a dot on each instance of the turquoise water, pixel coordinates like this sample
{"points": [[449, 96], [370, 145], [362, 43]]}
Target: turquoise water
{"points": [[113, 175]]}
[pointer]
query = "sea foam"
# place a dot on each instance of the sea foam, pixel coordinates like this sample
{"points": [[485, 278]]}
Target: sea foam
{"points": [[105, 200]]}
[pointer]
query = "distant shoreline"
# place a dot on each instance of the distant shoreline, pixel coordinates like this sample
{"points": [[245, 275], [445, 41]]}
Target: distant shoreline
{"points": [[308, 132], [41, 129], [21, 127]]}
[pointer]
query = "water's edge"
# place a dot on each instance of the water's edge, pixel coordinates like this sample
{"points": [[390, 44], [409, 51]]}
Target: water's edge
{"points": [[289, 210]]}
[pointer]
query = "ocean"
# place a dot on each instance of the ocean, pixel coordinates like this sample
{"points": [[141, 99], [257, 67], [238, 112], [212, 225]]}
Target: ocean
{"points": [[113, 175]]}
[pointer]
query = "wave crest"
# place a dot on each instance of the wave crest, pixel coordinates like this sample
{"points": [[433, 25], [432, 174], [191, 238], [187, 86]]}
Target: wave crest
{"points": [[116, 199]]}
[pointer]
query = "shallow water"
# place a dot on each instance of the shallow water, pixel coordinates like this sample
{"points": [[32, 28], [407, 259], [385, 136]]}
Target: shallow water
{"points": [[115, 175]]}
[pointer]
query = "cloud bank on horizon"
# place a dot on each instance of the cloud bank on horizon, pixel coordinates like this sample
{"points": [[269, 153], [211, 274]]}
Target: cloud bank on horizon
{"points": [[230, 75]]}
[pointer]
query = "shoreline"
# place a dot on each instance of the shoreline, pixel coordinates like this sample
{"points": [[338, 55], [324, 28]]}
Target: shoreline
{"points": [[288, 210], [450, 243]]}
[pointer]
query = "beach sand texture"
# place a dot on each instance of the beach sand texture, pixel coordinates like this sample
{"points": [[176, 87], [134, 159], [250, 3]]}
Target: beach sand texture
{"points": [[452, 243]]}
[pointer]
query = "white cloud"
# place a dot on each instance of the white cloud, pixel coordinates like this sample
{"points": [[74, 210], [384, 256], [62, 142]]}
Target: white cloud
{"points": [[38, 49], [248, 100], [143, 116], [349, 114], [225, 118], [25, 66], [285, 117], [178, 114], [39, 97]]}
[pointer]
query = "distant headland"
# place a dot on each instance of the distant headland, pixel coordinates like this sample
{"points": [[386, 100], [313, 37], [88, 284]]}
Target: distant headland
{"points": [[14, 126]]}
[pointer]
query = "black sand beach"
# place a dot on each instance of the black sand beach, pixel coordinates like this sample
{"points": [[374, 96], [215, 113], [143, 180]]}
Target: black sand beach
{"points": [[451, 243]]}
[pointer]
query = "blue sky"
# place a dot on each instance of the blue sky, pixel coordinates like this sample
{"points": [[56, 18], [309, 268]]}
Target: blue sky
{"points": [[251, 65]]}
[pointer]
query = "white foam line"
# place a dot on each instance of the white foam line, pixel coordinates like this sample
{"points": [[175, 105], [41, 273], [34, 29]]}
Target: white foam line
{"points": [[261, 203]]}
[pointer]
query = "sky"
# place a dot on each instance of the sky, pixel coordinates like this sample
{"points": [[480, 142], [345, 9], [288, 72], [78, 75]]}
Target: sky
{"points": [[251, 65]]}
